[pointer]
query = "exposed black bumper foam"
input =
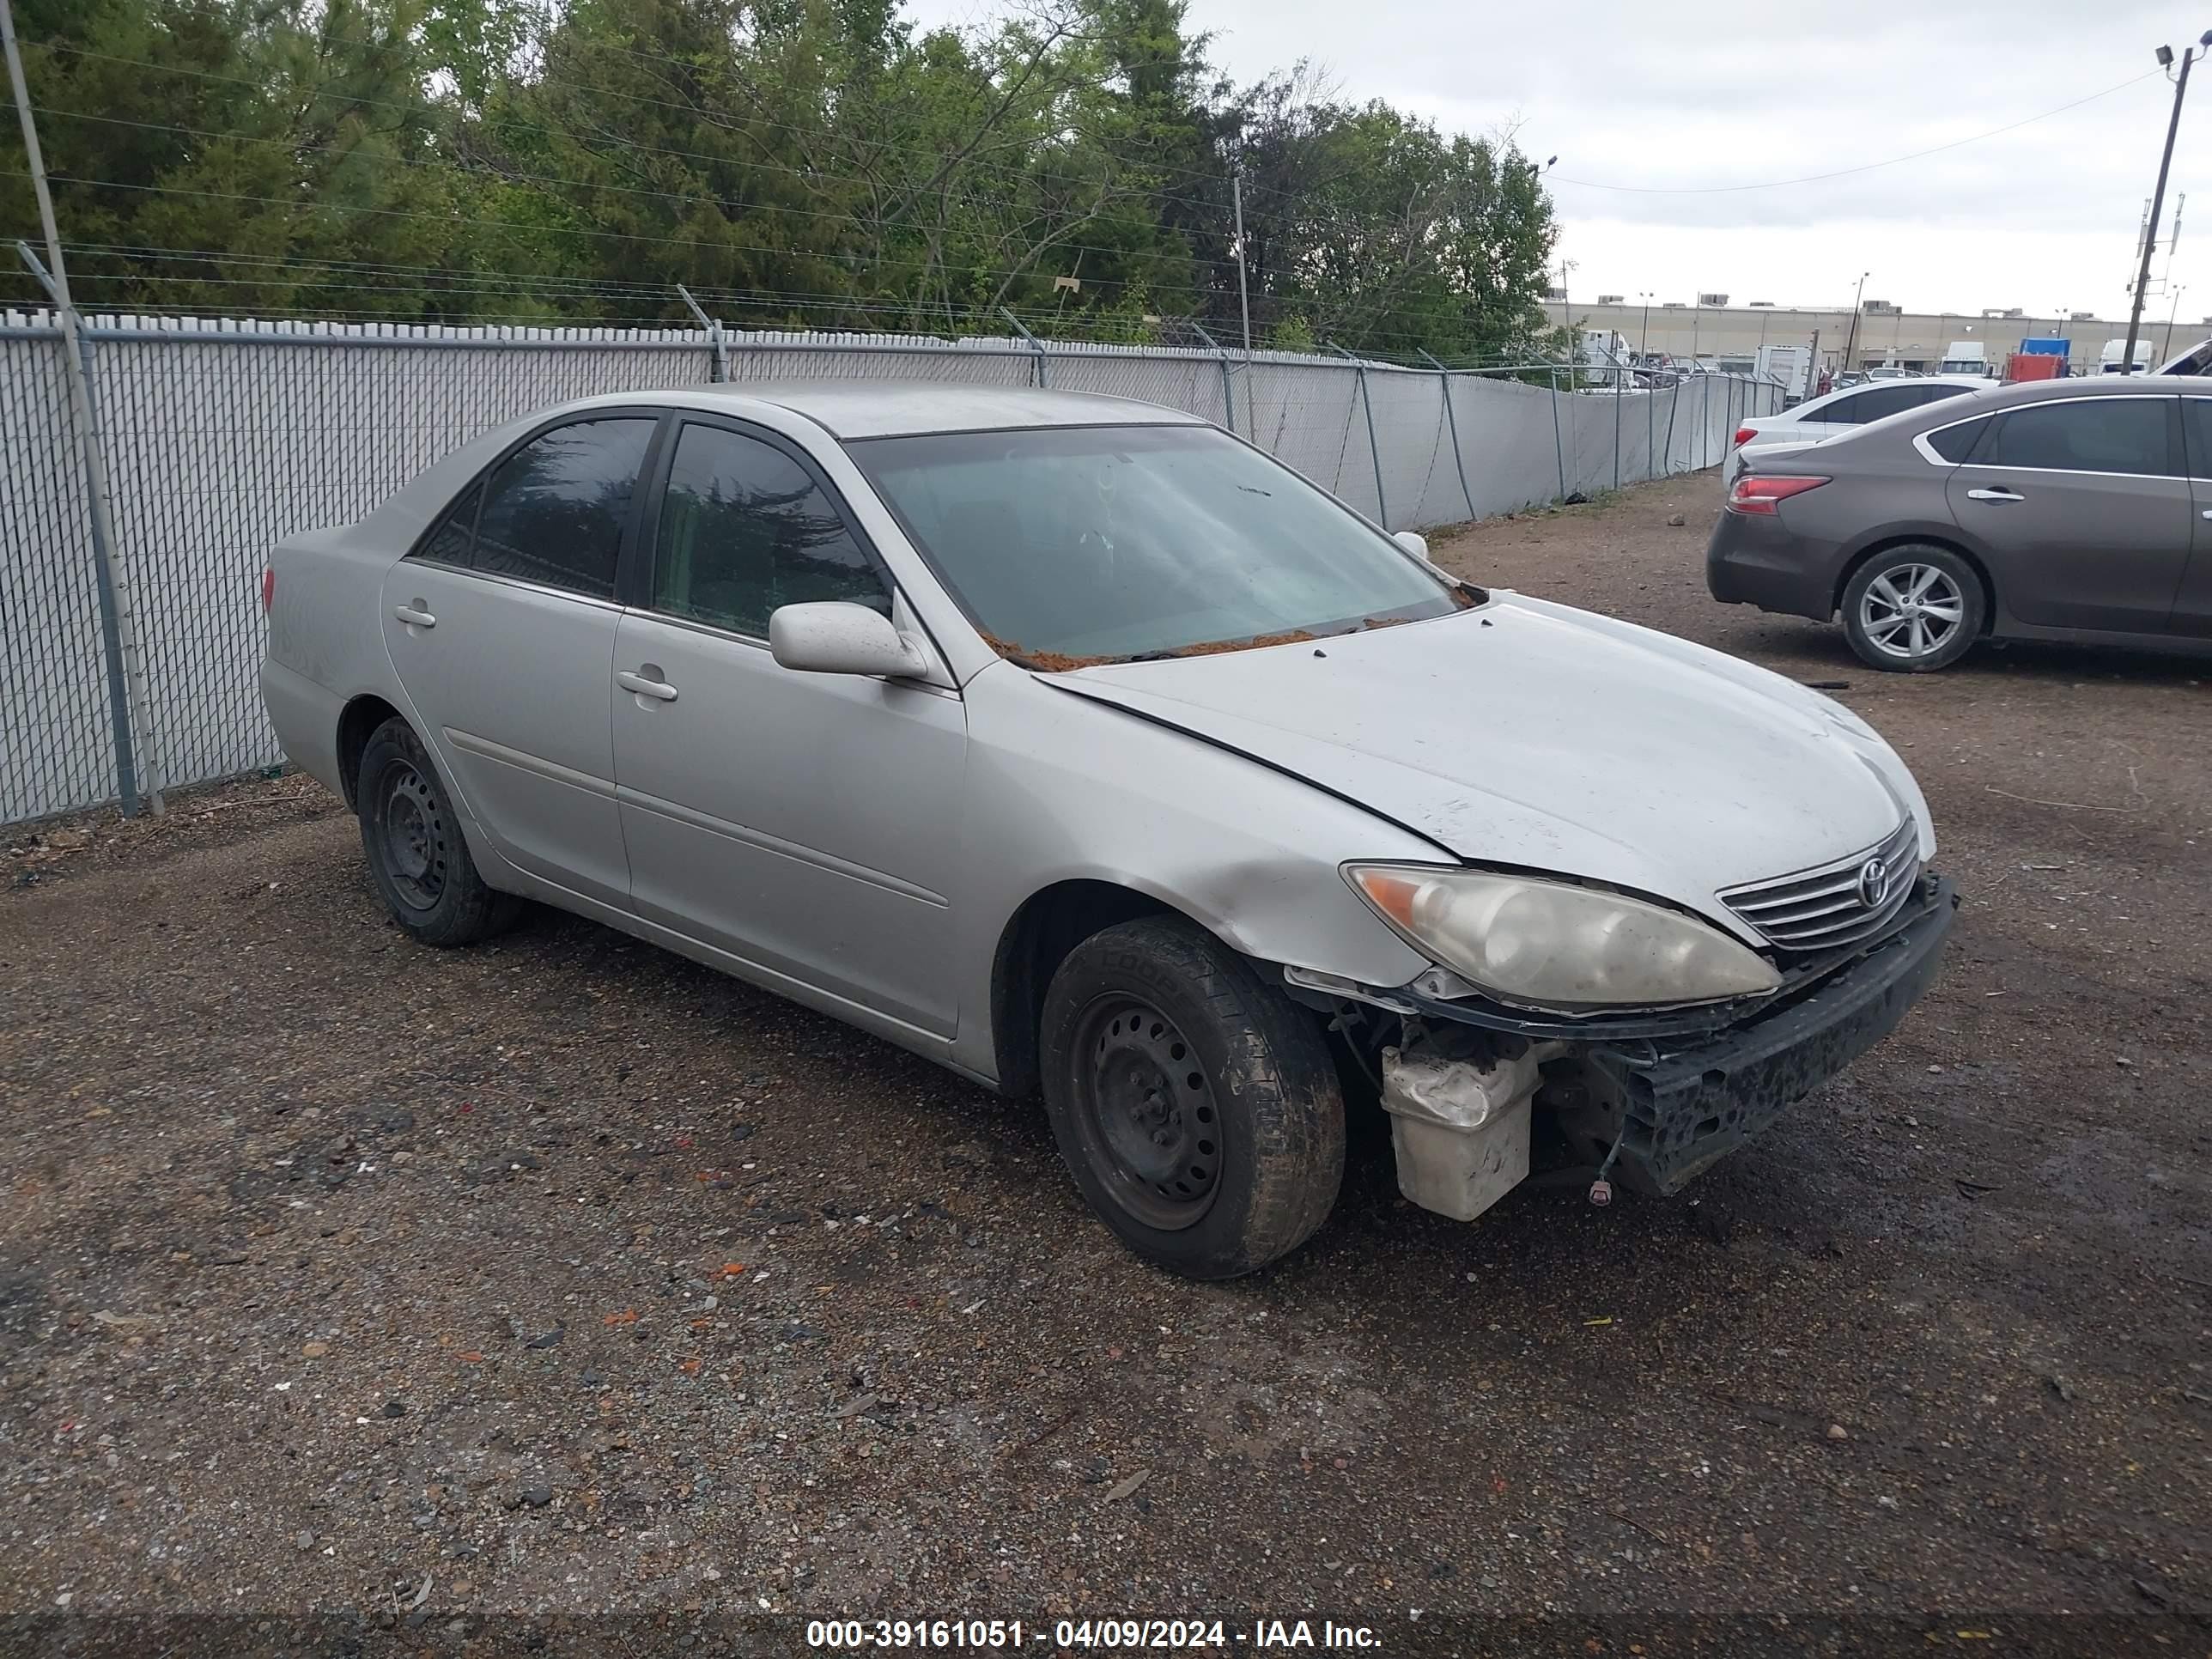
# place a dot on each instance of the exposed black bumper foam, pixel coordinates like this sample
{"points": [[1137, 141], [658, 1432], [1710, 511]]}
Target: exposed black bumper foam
{"points": [[1686, 1106]]}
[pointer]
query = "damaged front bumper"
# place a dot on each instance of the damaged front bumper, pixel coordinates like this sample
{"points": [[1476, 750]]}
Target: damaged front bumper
{"points": [[1686, 1102], [1659, 1096]]}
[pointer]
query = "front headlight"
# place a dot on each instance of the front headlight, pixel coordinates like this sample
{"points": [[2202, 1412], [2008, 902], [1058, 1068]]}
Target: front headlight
{"points": [[1558, 945]]}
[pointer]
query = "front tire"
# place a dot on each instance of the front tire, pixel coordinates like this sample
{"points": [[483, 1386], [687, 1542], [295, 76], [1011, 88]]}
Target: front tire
{"points": [[416, 855], [1197, 1108], [1912, 609]]}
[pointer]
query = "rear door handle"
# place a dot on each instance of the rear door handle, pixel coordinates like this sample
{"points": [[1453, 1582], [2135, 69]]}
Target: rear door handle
{"points": [[658, 689], [1994, 495], [414, 614]]}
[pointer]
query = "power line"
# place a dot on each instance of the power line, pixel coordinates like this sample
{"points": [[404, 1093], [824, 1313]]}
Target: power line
{"points": [[1868, 166], [1184, 252], [882, 312], [828, 255], [832, 257]]}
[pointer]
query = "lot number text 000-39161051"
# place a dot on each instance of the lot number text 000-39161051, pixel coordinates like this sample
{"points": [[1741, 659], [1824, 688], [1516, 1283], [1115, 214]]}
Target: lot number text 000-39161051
{"points": [[1107, 1635]]}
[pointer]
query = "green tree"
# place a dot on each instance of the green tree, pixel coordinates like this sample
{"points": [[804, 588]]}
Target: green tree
{"points": [[794, 163]]}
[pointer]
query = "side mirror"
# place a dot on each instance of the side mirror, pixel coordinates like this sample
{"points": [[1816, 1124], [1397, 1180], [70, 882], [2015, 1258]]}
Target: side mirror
{"points": [[1417, 545], [836, 638]]}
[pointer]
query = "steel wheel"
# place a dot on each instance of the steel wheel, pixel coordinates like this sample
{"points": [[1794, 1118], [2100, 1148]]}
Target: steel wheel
{"points": [[1911, 612], [1149, 1105], [412, 835]]}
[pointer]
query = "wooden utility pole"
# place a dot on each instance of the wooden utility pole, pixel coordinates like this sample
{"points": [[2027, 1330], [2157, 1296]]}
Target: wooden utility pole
{"points": [[2157, 201]]}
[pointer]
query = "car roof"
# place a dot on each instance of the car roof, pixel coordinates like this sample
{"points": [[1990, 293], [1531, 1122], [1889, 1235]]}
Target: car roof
{"points": [[1939, 379], [2040, 391], [886, 409], [1797, 411]]}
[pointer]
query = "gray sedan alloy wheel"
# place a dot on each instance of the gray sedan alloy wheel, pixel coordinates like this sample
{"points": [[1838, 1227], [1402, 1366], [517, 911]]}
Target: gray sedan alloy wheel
{"points": [[1913, 610]]}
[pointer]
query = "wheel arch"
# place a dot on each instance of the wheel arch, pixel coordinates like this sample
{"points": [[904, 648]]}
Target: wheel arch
{"points": [[1036, 939], [1949, 544], [357, 723]]}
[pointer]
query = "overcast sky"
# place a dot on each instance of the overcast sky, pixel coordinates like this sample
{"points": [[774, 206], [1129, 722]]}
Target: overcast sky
{"points": [[1700, 92]]}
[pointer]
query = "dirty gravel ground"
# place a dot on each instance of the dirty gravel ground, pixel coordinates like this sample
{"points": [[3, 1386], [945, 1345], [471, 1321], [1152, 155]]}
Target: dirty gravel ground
{"points": [[562, 1277]]}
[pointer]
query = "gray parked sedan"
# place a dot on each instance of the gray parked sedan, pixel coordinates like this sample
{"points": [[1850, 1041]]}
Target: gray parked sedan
{"points": [[1086, 749], [2071, 510]]}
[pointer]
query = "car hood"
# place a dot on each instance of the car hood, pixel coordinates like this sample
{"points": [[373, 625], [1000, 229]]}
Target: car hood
{"points": [[1529, 734]]}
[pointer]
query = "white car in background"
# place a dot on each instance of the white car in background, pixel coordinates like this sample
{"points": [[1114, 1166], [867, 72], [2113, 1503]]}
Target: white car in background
{"points": [[1844, 411]]}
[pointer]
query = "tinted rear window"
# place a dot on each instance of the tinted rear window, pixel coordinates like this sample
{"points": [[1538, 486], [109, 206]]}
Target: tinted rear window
{"points": [[1955, 443], [554, 511], [2085, 435], [1882, 402], [2196, 415]]}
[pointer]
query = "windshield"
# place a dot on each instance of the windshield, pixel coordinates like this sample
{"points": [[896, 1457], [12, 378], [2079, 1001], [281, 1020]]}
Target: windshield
{"points": [[1065, 544]]}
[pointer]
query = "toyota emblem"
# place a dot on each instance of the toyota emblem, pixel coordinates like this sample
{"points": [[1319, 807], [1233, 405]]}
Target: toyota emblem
{"points": [[1873, 884]]}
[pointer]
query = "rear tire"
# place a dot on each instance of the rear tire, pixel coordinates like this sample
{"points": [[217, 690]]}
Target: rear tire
{"points": [[1198, 1107], [1913, 610], [416, 855]]}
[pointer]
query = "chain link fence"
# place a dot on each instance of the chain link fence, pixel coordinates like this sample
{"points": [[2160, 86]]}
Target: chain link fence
{"points": [[224, 438]]}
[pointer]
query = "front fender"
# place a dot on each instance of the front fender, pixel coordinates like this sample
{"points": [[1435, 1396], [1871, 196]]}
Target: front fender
{"points": [[1065, 789]]}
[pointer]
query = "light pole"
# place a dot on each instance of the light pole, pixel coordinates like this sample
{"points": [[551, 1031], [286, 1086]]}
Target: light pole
{"points": [[2175, 311], [1644, 345], [2158, 195]]}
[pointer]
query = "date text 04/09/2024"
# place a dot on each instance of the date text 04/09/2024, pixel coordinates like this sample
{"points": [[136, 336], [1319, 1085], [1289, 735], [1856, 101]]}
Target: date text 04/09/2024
{"points": [[1073, 1634]]}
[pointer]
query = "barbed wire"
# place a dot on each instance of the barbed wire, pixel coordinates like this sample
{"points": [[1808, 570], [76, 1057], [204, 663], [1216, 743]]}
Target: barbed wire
{"points": [[912, 311]]}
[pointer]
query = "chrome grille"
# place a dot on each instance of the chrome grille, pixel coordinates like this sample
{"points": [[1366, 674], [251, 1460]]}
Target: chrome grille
{"points": [[1825, 908]]}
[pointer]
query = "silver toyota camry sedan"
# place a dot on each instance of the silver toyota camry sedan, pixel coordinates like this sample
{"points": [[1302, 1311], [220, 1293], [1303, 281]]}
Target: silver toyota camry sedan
{"points": [[1086, 749]]}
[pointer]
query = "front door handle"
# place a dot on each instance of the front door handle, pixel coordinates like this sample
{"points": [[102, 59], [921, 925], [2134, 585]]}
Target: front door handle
{"points": [[414, 614], [659, 689], [1994, 495]]}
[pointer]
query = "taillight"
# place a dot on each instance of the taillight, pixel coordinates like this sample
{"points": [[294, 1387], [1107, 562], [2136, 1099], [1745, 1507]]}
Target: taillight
{"points": [[1744, 435], [268, 588], [1753, 493]]}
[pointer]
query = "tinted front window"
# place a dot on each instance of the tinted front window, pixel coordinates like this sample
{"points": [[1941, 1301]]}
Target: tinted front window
{"points": [[449, 544], [745, 529], [1125, 541], [2084, 434], [1955, 443], [553, 510]]}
